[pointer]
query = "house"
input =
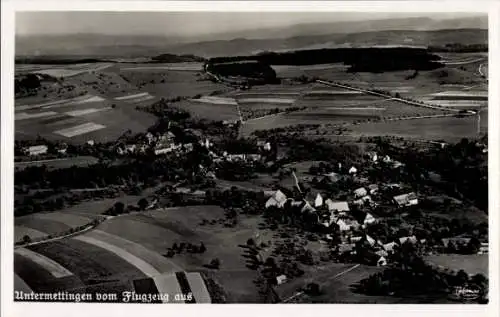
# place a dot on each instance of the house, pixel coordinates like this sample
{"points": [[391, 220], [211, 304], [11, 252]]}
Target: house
{"points": [[332, 177], [353, 170], [307, 207], [63, 148], [347, 248], [382, 253], [318, 202], [280, 279], [91, 142], [356, 239], [340, 206], [372, 156], [393, 186], [483, 249], [343, 225], [382, 261], [360, 192], [264, 145], [363, 201], [386, 159], [389, 247], [373, 189], [412, 240], [369, 219], [397, 164], [409, 199], [370, 240], [37, 150], [277, 200], [150, 137]]}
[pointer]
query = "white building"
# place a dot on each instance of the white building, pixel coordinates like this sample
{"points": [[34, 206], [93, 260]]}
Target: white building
{"points": [[37, 150], [277, 200], [353, 170], [405, 200], [340, 206], [369, 219], [360, 192], [318, 202]]}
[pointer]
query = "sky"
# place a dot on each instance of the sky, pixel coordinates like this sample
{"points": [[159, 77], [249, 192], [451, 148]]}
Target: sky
{"points": [[179, 23]]}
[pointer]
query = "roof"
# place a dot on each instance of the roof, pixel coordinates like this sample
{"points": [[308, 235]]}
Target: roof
{"points": [[405, 198], [411, 239], [337, 205], [372, 186]]}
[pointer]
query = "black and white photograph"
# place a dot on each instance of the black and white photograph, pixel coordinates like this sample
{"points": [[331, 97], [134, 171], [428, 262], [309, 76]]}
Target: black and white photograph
{"points": [[210, 157]]}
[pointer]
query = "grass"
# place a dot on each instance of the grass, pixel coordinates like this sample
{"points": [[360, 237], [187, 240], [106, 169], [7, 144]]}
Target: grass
{"points": [[43, 225], [39, 279], [58, 163], [88, 262], [471, 264], [209, 111]]}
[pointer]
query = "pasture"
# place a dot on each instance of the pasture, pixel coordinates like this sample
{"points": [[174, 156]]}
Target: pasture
{"points": [[472, 264]]}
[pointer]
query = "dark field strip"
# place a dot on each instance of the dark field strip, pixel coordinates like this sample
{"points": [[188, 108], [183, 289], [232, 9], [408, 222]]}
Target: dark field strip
{"points": [[93, 265], [184, 285], [56, 119], [44, 225], [146, 286], [170, 225], [39, 279]]}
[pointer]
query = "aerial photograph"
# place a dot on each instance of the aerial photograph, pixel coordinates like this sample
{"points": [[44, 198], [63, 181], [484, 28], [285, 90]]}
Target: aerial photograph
{"points": [[251, 157]]}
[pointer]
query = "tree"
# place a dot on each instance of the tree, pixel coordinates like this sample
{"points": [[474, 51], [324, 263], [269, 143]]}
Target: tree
{"points": [[215, 263], [119, 207], [462, 277], [202, 248], [143, 203], [250, 242], [26, 239]]}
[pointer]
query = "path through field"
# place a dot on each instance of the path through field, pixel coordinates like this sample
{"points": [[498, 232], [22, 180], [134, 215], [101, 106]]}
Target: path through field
{"points": [[324, 282]]}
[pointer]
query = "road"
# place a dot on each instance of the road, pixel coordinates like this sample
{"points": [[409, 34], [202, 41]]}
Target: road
{"points": [[322, 283], [409, 102], [464, 62]]}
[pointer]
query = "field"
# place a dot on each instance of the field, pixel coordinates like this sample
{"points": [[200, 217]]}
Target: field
{"points": [[58, 163], [98, 102], [472, 264], [211, 111]]}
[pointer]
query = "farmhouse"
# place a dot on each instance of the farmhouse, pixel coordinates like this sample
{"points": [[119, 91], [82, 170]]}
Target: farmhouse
{"points": [[363, 201], [331, 177], [373, 188], [360, 192], [412, 240], [404, 200], [340, 206], [277, 200], [281, 279], [369, 219], [353, 170], [318, 202], [37, 150], [372, 156]]}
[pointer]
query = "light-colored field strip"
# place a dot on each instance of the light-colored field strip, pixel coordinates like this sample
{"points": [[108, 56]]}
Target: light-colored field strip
{"points": [[168, 284], [161, 263], [26, 116], [334, 92], [461, 94], [77, 113], [68, 219], [52, 266], [21, 231], [172, 68], [216, 100], [141, 265], [198, 288], [90, 99], [80, 129], [142, 94], [355, 108], [266, 100], [140, 99], [270, 93], [20, 285], [52, 103]]}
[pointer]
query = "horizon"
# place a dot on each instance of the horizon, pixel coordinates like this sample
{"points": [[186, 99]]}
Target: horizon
{"points": [[204, 23]]}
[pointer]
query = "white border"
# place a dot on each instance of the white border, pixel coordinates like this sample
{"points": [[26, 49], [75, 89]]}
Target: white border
{"points": [[9, 308]]}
